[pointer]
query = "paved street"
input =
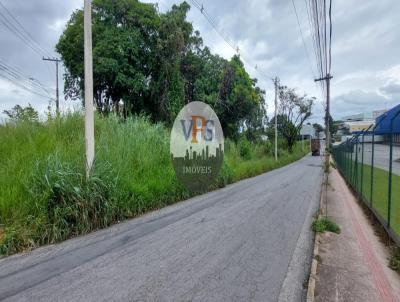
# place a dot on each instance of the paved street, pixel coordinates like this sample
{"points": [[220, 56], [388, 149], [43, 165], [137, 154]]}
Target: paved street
{"points": [[250, 241]]}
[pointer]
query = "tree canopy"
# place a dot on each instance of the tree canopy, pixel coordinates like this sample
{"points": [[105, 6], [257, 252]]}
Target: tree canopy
{"points": [[19, 113], [156, 63], [293, 111]]}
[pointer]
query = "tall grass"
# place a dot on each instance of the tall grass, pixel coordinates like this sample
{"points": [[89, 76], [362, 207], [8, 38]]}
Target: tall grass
{"points": [[45, 196]]}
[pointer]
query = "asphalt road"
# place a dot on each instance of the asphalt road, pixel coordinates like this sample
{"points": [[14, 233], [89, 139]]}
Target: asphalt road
{"points": [[250, 241]]}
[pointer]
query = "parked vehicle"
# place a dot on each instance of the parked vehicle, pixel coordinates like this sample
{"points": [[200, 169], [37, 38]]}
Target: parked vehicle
{"points": [[315, 147]]}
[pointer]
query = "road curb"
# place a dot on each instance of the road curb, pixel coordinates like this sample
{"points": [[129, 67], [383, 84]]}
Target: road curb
{"points": [[314, 264], [313, 273]]}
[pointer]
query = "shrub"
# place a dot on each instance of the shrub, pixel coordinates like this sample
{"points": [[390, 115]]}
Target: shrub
{"points": [[244, 148], [322, 225]]}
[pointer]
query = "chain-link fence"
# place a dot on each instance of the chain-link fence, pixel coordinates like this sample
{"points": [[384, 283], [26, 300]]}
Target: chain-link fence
{"points": [[370, 162]]}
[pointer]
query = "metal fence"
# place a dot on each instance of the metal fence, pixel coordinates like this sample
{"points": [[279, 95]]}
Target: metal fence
{"points": [[370, 163]]}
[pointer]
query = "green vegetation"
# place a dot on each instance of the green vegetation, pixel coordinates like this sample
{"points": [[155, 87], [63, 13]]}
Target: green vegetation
{"points": [[361, 181], [156, 63], [293, 111], [394, 261], [380, 193], [18, 113], [324, 224], [45, 196], [145, 63]]}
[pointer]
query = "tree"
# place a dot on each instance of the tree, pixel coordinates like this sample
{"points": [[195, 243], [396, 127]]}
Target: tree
{"points": [[293, 111], [156, 63], [333, 125], [173, 44], [318, 128], [124, 37], [18, 113], [240, 103]]}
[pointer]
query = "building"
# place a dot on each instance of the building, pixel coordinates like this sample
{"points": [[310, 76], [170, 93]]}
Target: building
{"points": [[389, 123], [356, 126], [366, 116], [359, 122], [307, 131]]}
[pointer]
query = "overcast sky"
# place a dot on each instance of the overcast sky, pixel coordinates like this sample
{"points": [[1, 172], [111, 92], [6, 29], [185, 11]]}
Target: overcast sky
{"points": [[365, 48]]}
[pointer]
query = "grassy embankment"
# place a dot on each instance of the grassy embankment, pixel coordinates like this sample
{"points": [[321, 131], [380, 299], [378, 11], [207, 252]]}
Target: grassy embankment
{"points": [[44, 194]]}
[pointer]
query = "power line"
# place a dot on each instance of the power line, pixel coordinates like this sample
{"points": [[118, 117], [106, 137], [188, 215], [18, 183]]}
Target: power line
{"points": [[21, 85], [21, 77], [318, 12], [213, 23], [12, 23], [13, 75], [302, 38]]}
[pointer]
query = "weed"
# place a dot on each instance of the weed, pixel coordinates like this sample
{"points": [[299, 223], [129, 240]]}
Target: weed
{"points": [[394, 261], [322, 225]]}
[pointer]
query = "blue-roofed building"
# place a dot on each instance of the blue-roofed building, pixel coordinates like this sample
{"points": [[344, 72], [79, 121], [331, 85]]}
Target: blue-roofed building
{"points": [[383, 124]]}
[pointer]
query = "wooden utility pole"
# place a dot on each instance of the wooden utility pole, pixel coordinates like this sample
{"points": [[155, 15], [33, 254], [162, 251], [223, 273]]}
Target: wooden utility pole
{"points": [[57, 91], [276, 118], [89, 118]]}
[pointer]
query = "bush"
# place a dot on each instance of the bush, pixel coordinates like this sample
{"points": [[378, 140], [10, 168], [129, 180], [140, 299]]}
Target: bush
{"points": [[244, 148], [322, 225]]}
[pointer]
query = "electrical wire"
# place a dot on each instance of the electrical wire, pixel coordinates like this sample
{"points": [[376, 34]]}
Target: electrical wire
{"points": [[30, 84], [213, 23], [21, 85], [302, 38], [12, 23]]}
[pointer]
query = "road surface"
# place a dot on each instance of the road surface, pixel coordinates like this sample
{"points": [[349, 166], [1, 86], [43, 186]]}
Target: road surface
{"points": [[250, 241]]}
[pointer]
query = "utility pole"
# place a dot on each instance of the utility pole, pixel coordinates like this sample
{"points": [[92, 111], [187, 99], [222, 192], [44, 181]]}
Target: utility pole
{"points": [[276, 118], [327, 78], [57, 92], [89, 119]]}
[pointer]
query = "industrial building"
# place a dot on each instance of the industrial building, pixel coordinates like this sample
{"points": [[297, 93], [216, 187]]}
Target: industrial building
{"points": [[389, 123]]}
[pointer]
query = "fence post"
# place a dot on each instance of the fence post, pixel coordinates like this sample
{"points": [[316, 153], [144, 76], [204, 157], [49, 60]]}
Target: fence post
{"points": [[345, 158], [351, 163], [347, 161], [391, 168], [356, 166], [372, 167], [362, 166]]}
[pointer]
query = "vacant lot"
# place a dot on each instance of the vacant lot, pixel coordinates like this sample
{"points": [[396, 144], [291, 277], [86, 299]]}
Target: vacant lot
{"points": [[45, 196]]}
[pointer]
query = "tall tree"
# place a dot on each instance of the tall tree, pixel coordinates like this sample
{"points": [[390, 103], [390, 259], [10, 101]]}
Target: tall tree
{"points": [[124, 35], [156, 63], [293, 111]]}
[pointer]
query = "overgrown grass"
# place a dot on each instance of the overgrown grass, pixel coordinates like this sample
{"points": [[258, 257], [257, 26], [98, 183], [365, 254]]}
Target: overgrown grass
{"points": [[324, 224], [45, 196]]}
